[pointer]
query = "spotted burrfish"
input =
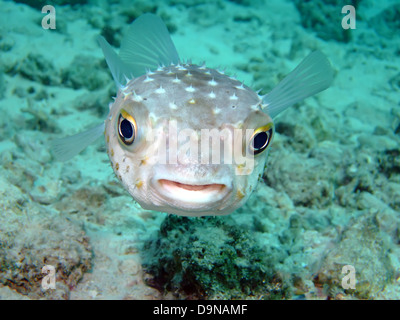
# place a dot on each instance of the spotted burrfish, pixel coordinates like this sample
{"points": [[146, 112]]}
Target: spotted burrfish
{"points": [[184, 138]]}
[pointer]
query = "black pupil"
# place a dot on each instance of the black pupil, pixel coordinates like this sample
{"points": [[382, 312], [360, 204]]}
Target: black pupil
{"points": [[126, 129], [260, 140]]}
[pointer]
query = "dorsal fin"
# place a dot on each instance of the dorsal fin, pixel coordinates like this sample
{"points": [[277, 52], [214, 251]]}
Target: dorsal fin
{"points": [[146, 45], [117, 67]]}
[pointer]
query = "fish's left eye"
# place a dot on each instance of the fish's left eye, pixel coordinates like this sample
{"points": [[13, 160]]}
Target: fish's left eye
{"points": [[126, 128], [261, 139]]}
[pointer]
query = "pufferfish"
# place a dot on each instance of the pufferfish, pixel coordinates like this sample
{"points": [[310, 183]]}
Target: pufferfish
{"points": [[184, 138]]}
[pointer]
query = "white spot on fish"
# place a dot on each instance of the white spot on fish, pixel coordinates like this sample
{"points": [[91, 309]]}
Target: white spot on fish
{"points": [[126, 94], [216, 110], [149, 72], [137, 97], [212, 82], [160, 90], [172, 106], [233, 97], [190, 89]]}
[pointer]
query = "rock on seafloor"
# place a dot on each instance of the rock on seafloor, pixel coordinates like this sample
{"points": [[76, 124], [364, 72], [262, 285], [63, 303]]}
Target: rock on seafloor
{"points": [[32, 237], [210, 258], [364, 248]]}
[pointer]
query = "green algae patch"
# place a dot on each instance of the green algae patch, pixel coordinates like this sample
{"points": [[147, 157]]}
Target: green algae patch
{"points": [[209, 258]]}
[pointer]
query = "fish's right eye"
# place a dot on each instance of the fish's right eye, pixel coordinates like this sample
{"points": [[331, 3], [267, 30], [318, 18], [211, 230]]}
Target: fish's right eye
{"points": [[126, 128], [261, 139]]}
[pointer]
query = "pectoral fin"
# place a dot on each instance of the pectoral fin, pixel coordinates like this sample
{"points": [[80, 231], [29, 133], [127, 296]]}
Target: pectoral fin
{"points": [[314, 74]]}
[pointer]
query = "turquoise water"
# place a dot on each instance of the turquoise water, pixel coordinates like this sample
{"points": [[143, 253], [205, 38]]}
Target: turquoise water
{"points": [[323, 221]]}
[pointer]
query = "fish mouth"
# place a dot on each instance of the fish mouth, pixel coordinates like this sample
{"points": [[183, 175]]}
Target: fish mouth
{"points": [[195, 194]]}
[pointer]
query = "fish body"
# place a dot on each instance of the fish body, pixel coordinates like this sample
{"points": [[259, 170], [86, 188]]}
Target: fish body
{"points": [[184, 138], [175, 110]]}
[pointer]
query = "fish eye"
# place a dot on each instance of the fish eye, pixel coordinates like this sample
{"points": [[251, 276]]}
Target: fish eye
{"points": [[126, 128], [261, 139]]}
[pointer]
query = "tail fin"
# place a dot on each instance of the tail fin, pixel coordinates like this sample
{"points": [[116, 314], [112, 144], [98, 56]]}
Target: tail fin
{"points": [[314, 74]]}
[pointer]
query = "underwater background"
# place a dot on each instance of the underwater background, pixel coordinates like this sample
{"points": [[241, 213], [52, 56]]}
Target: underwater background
{"points": [[329, 197]]}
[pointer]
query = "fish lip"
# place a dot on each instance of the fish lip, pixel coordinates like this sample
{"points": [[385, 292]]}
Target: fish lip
{"points": [[193, 194], [191, 187]]}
